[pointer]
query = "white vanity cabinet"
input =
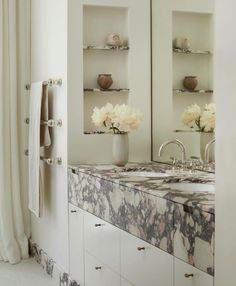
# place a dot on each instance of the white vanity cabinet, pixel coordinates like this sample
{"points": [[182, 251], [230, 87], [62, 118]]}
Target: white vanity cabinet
{"points": [[187, 275], [144, 264], [102, 240], [99, 274], [102, 254], [76, 241]]}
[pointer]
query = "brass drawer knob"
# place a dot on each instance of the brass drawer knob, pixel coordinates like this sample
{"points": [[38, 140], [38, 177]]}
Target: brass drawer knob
{"points": [[97, 224], [188, 275], [140, 248], [98, 267]]}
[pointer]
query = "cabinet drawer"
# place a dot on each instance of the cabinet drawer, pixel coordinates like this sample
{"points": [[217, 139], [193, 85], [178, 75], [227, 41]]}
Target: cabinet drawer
{"points": [[97, 274], [125, 282], [102, 240], [186, 275], [76, 247], [144, 264]]}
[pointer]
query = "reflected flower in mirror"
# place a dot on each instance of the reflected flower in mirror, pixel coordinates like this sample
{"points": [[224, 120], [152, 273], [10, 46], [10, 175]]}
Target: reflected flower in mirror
{"points": [[201, 121]]}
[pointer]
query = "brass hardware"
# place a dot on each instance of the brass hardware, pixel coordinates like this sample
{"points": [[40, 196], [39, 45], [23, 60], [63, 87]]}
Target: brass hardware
{"points": [[140, 248], [98, 267], [186, 275], [97, 224]]}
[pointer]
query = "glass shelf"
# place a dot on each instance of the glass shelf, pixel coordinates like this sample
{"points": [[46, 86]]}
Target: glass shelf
{"points": [[199, 91], [106, 90], [96, 132], [105, 48], [193, 52], [185, 131]]}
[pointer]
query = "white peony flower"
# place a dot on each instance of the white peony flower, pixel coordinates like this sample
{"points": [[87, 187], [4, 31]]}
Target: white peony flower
{"points": [[207, 121], [126, 118], [191, 115], [102, 117], [210, 107], [202, 121], [120, 118]]}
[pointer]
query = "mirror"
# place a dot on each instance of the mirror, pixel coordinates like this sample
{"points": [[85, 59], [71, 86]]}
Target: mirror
{"points": [[182, 75]]}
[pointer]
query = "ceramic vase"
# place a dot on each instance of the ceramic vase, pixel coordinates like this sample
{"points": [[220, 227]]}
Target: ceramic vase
{"points": [[120, 149], [205, 138], [190, 82], [104, 81], [114, 40]]}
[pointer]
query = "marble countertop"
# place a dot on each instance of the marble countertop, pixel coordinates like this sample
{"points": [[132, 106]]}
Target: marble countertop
{"points": [[181, 223], [159, 187]]}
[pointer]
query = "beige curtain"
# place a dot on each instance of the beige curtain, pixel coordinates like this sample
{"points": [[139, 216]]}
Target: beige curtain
{"points": [[14, 74]]}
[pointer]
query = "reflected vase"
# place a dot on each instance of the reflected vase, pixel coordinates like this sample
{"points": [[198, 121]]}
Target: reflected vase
{"points": [[205, 138], [120, 149]]}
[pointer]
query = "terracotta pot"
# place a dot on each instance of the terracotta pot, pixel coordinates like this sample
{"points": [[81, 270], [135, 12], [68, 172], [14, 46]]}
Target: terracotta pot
{"points": [[104, 81], [114, 39], [190, 82], [120, 149]]}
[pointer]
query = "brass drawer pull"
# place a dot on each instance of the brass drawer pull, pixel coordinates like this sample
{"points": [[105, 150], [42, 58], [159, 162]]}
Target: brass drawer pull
{"points": [[97, 224], [140, 248], [186, 275], [98, 267]]}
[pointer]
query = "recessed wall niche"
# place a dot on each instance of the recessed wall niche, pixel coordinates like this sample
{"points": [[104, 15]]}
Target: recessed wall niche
{"points": [[99, 58]]}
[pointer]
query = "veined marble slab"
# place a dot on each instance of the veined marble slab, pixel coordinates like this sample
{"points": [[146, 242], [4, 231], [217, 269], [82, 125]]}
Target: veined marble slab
{"points": [[181, 223]]}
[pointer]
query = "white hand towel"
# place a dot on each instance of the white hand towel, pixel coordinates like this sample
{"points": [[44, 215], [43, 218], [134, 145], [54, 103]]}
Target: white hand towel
{"points": [[35, 184], [45, 139]]}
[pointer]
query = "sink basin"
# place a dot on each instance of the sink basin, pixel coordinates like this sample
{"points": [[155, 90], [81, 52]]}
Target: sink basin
{"points": [[193, 187], [144, 174]]}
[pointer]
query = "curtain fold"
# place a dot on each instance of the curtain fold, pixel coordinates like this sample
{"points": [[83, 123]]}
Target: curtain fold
{"points": [[14, 73]]}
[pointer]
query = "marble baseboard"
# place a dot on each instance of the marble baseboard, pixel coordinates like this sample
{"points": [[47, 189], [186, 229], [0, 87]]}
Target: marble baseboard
{"points": [[50, 266]]}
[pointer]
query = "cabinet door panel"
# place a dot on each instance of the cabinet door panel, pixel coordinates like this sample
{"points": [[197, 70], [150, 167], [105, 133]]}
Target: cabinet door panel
{"points": [[76, 252], [98, 274], [102, 240], [186, 275], [144, 264], [125, 283]]}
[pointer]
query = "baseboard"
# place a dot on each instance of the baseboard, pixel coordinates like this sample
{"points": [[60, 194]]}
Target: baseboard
{"points": [[50, 266]]}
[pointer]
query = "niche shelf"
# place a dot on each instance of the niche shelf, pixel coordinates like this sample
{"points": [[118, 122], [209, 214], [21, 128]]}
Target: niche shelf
{"points": [[116, 90], [96, 132], [193, 52], [105, 48], [200, 91], [100, 58]]}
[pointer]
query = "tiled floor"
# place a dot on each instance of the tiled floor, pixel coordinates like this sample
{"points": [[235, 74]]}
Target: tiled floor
{"points": [[26, 273]]}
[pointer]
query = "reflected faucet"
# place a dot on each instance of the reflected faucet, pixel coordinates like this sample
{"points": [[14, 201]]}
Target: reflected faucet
{"points": [[207, 150], [178, 143]]}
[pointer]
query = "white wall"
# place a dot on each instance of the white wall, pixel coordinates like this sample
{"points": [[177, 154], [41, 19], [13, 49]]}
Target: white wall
{"points": [[49, 60], [225, 67]]}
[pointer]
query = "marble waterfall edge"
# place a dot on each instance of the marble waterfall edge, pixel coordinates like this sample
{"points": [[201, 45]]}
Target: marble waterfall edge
{"points": [[178, 223]]}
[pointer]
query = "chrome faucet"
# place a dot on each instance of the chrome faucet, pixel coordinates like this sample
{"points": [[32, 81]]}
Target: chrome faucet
{"points": [[178, 143], [207, 150]]}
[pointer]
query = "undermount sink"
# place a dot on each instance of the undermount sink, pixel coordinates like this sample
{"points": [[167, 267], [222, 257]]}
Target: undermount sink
{"points": [[144, 174], [192, 187]]}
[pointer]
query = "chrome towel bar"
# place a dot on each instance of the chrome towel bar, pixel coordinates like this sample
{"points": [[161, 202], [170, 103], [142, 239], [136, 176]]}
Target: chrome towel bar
{"points": [[48, 161], [50, 82], [49, 123]]}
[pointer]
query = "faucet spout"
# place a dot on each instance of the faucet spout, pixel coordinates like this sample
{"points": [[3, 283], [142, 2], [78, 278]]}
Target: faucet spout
{"points": [[178, 143]]}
